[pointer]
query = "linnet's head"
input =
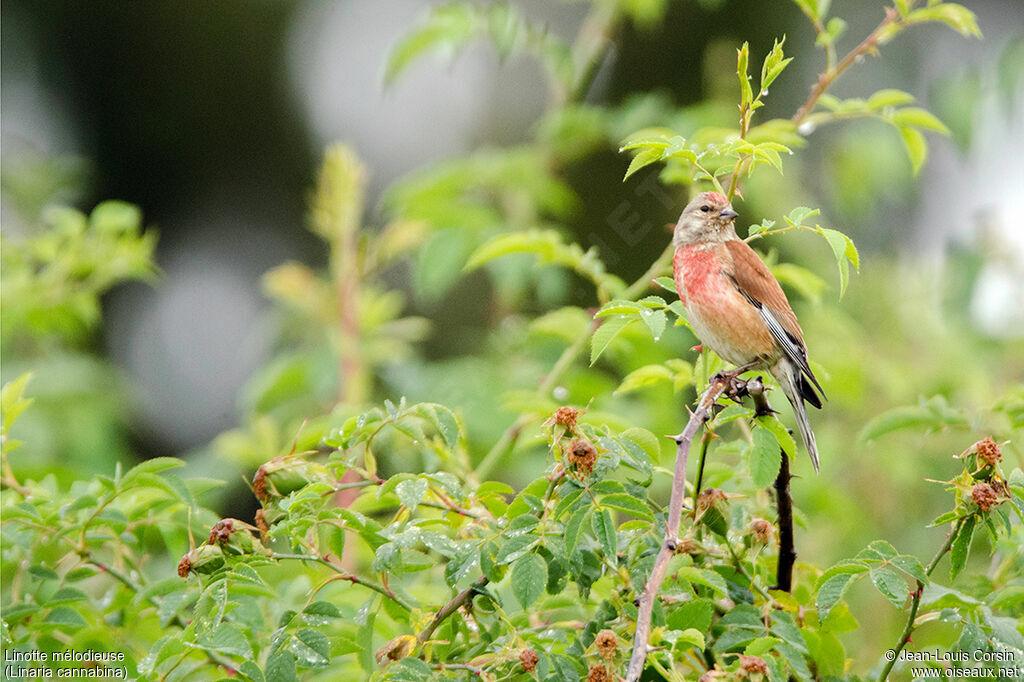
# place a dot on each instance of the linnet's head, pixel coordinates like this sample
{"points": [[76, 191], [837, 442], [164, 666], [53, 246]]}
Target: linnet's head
{"points": [[708, 218]]}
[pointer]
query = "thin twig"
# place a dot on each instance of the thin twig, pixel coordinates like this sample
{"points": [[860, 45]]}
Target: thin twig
{"points": [[645, 603], [826, 79], [916, 603], [450, 608], [345, 575]]}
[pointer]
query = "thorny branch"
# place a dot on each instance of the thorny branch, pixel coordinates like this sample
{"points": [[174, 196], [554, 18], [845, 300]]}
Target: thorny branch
{"points": [[727, 384]]}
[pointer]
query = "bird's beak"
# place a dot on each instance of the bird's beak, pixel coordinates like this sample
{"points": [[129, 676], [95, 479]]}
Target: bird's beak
{"points": [[728, 214]]}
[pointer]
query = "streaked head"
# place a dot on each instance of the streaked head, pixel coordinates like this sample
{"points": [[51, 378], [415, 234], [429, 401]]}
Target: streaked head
{"points": [[708, 218]]}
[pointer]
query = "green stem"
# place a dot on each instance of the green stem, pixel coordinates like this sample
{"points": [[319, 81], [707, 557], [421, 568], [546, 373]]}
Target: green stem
{"points": [[345, 575], [601, 25], [908, 629]]}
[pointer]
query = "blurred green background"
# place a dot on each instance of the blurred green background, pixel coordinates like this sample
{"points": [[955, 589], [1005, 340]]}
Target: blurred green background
{"points": [[212, 118]]}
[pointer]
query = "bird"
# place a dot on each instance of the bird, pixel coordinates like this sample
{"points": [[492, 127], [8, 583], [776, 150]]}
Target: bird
{"points": [[737, 308]]}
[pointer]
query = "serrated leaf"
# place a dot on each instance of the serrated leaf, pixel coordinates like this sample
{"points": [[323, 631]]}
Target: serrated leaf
{"points": [[628, 504], [643, 377], [655, 320], [704, 577], [604, 531], [574, 528], [604, 335], [411, 493], [761, 646], [528, 578], [645, 439], [961, 549], [644, 158], [311, 647], [781, 433], [666, 283], [515, 547], [830, 591], [281, 666], [764, 458], [891, 584]]}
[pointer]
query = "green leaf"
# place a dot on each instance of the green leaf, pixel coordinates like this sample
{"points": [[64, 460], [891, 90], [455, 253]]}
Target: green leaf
{"points": [[781, 433], [528, 578], [961, 548], [844, 250], [574, 527], [311, 647], [448, 27], [604, 335], [11, 402], [891, 584], [65, 617], [644, 377], [514, 548], [764, 458], [957, 17], [833, 585], [704, 577], [228, 639], [644, 158], [152, 466], [655, 320], [916, 146], [604, 530], [920, 118], [666, 283], [411, 493], [911, 566], [628, 504], [281, 666], [773, 65], [645, 439], [761, 646], [889, 98], [742, 58]]}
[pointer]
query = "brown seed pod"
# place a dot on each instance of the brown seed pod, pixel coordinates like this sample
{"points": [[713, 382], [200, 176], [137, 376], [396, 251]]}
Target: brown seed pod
{"points": [[599, 674], [607, 644], [582, 455], [984, 496], [528, 659], [989, 451]]}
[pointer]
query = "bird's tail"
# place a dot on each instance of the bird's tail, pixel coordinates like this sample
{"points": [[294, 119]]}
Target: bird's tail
{"points": [[790, 379]]}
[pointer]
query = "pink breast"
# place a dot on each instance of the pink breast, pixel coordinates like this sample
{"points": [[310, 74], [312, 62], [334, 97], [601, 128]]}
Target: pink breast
{"points": [[696, 271]]}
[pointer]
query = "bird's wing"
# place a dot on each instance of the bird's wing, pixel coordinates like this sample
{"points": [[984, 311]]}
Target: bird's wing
{"points": [[759, 286]]}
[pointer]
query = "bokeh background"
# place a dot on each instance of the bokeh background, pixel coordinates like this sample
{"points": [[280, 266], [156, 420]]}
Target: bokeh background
{"points": [[212, 117]]}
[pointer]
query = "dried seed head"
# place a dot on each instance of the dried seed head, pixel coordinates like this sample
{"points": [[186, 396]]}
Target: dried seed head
{"points": [[221, 532], [984, 496], [688, 546], [761, 531], [607, 644], [582, 455], [599, 674], [989, 451], [566, 416], [709, 498], [528, 658], [184, 566], [753, 665], [261, 523]]}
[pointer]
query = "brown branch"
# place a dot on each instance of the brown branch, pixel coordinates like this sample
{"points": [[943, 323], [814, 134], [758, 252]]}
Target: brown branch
{"points": [[826, 79], [451, 607], [718, 385]]}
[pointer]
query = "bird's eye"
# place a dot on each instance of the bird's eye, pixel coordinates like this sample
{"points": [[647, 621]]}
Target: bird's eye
{"points": [[705, 208]]}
